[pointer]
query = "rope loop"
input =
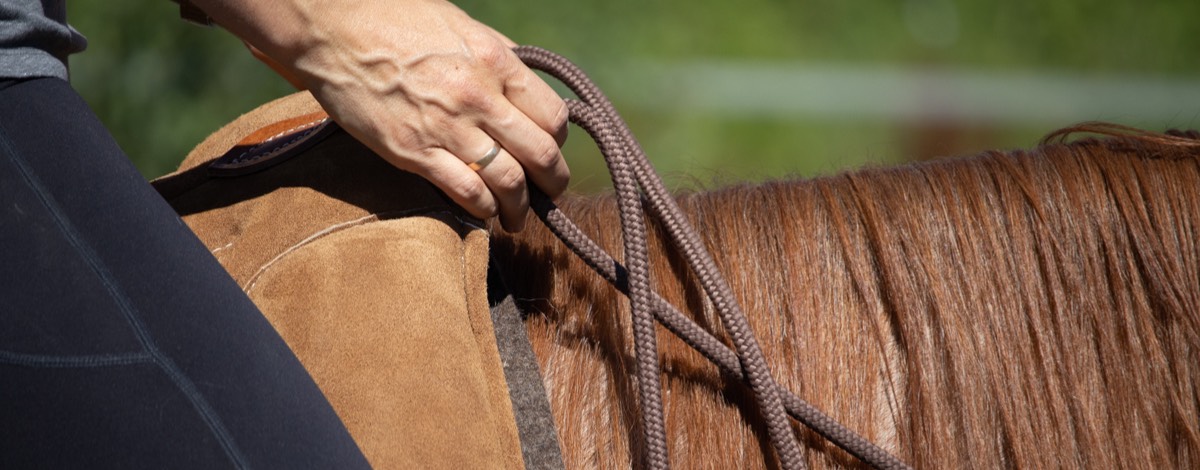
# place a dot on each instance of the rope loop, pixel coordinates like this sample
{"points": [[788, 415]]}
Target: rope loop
{"points": [[636, 183]]}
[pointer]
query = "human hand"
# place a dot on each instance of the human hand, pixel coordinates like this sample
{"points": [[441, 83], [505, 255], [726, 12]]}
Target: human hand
{"points": [[423, 85]]}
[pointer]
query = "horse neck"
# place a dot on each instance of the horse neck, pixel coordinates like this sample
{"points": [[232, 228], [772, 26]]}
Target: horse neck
{"points": [[1012, 308]]}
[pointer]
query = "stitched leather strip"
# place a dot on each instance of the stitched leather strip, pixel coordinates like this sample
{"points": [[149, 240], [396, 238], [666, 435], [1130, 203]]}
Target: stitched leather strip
{"points": [[273, 144]]}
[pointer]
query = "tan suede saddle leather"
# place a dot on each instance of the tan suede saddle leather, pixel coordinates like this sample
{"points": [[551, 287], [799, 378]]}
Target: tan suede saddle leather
{"points": [[373, 278]]}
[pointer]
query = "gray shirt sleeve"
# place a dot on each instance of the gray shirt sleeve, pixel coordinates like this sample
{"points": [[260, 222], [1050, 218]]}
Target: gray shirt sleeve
{"points": [[35, 39]]}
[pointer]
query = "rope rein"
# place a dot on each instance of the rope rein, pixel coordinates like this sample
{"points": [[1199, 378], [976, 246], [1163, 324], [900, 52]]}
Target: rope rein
{"points": [[636, 183]]}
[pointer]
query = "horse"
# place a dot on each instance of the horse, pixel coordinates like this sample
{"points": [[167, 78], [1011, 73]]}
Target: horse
{"points": [[1015, 309], [1026, 308]]}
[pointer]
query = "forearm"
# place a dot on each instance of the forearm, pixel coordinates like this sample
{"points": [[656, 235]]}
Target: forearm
{"points": [[353, 42], [424, 85], [278, 28]]}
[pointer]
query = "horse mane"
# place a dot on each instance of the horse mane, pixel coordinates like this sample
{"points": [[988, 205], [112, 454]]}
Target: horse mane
{"points": [[1012, 309]]}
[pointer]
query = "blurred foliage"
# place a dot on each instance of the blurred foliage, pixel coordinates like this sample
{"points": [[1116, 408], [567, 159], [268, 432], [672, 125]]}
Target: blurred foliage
{"points": [[161, 85]]}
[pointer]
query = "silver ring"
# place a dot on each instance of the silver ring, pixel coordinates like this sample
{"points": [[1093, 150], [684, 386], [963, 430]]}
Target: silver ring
{"points": [[487, 158]]}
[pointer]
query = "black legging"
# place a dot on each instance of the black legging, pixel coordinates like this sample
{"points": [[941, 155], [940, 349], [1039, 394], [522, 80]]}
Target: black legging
{"points": [[123, 343]]}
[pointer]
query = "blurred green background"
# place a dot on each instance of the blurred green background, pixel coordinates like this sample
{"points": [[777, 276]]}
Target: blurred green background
{"points": [[729, 90]]}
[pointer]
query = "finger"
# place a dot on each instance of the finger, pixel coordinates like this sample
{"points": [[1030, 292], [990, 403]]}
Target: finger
{"points": [[535, 149], [462, 185], [503, 175], [530, 94], [506, 178]]}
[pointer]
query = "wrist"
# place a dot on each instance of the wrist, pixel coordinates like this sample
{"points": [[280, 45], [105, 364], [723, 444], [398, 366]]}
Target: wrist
{"points": [[281, 29]]}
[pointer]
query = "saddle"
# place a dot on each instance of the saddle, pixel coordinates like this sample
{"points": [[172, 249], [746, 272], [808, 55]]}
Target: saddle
{"points": [[376, 281]]}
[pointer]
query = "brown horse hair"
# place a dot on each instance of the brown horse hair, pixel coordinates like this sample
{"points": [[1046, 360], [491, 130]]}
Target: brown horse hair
{"points": [[1013, 309]]}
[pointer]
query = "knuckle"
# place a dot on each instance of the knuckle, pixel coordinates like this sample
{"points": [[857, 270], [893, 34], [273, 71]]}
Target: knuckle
{"points": [[545, 154], [473, 96], [506, 120], [521, 83], [469, 188], [493, 54], [560, 116], [512, 179]]}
